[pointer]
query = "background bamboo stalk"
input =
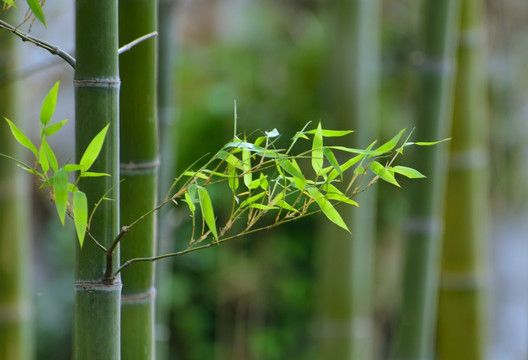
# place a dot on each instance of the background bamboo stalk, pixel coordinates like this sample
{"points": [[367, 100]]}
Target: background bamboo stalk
{"points": [[139, 170], [97, 304], [346, 261], [463, 274], [415, 333], [16, 341], [167, 114]]}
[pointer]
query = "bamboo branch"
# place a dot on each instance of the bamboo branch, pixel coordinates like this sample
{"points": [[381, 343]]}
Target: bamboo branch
{"points": [[53, 49], [131, 44]]}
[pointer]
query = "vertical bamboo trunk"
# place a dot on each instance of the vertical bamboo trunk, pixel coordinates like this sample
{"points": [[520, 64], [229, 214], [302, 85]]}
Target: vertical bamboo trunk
{"points": [[462, 285], [97, 302], [415, 333], [168, 135], [15, 310], [346, 261], [139, 170]]}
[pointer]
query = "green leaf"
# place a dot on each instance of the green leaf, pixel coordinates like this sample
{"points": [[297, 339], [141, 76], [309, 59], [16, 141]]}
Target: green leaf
{"points": [[94, 148], [252, 199], [356, 151], [383, 173], [290, 168], [263, 181], [331, 133], [50, 155], [253, 147], [190, 202], [408, 172], [333, 193], [93, 174], [391, 144], [60, 190], [52, 129], [230, 159], [349, 163], [262, 207], [72, 167], [80, 215], [43, 160], [427, 143], [327, 208], [22, 138], [246, 162], [48, 105], [196, 174], [207, 210], [36, 9], [233, 177], [317, 150], [10, 3], [333, 161]]}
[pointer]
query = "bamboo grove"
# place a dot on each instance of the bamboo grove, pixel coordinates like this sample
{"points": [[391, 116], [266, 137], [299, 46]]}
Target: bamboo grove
{"points": [[271, 181]]}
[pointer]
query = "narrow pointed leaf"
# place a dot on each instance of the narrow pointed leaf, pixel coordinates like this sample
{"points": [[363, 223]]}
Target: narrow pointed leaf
{"points": [[36, 9], [48, 105], [333, 193], [50, 155], [53, 128], [246, 162], [252, 199], [190, 202], [93, 174], [262, 207], [327, 208], [80, 214], [329, 155], [43, 160], [317, 150], [391, 144], [230, 159], [408, 172], [349, 163], [207, 210], [331, 133], [383, 173], [22, 138], [60, 190], [233, 177], [94, 148]]}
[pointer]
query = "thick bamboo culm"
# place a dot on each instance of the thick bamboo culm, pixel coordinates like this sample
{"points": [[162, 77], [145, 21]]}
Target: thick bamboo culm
{"points": [[422, 244], [139, 174], [346, 261], [462, 297], [97, 302], [16, 342]]}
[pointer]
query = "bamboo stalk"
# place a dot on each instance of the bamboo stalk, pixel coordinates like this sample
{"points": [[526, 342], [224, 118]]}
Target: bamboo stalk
{"points": [[139, 170], [97, 302], [463, 277], [168, 146], [346, 261], [415, 333], [16, 342]]}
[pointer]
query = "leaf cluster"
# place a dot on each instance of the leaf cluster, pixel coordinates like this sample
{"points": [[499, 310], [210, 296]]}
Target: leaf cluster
{"points": [[55, 179]]}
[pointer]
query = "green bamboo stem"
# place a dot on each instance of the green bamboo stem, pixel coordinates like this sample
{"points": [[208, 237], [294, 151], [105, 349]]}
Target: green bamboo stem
{"points": [[139, 170], [463, 274], [15, 306], [168, 145], [346, 261], [97, 300], [415, 333]]}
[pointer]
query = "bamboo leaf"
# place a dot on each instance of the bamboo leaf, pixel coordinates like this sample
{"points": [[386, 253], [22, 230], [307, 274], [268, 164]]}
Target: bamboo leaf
{"points": [[246, 162], [391, 144], [80, 215], [42, 160], [317, 150], [356, 151], [94, 148], [233, 177], [383, 173], [36, 9], [331, 133], [349, 163], [273, 133], [22, 138], [50, 155], [427, 143], [72, 167], [48, 105], [60, 190], [10, 3], [333, 193], [408, 172], [333, 161], [252, 199], [207, 210], [327, 208], [230, 159], [253, 147], [190, 202], [93, 174], [52, 129], [263, 181], [262, 207], [196, 174], [290, 168]]}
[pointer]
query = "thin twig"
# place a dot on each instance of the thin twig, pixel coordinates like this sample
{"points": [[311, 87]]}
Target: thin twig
{"points": [[55, 50], [131, 44]]}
